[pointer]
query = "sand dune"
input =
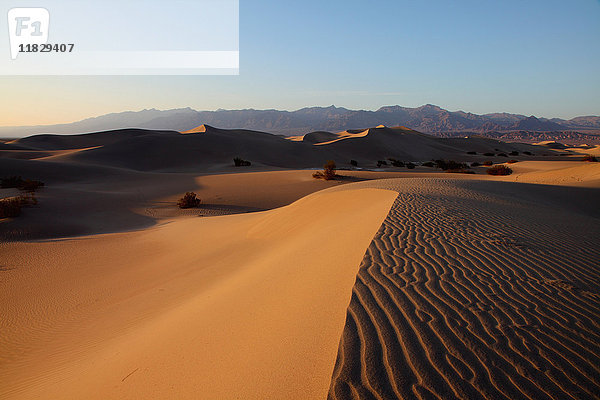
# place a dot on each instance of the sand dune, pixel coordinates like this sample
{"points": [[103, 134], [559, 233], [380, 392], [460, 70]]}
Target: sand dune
{"points": [[248, 306], [468, 291], [208, 148]]}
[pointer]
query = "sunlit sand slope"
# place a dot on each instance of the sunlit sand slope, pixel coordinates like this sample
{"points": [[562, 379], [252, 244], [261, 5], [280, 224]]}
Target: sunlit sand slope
{"points": [[237, 307], [477, 290]]}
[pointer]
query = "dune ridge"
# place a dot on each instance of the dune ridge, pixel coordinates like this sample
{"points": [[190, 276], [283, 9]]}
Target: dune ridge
{"points": [[469, 291]]}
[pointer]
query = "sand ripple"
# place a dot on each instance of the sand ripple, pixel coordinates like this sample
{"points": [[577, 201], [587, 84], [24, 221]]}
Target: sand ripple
{"points": [[474, 291]]}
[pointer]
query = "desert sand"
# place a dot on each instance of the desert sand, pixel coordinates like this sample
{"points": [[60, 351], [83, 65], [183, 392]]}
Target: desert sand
{"points": [[387, 283]]}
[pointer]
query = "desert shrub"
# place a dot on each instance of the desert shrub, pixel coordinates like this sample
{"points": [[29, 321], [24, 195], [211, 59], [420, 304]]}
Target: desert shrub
{"points": [[396, 163], [528, 153], [489, 154], [429, 164], [446, 165], [471, 152], [241, 162], [27, 185], [488, 163], [11, 207], [381, 163], [499, 170], [590, 158], [514, 153], [410, 165], [502, 155], [189, 200], [328, 172], [512, 161], [475, 164], [459, 171], [354, 163]]}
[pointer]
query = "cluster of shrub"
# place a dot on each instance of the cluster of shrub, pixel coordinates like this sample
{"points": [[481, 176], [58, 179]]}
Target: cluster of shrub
{"points": [[512, 153], [239, 162], [189, 200], [395, 163], [11, 207], [328, 172], [590, 158]]}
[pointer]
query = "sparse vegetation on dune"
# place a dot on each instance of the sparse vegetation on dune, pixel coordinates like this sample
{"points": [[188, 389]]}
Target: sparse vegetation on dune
{"points": [[499, 170], [396, 163], [27, 185], [328, 172], [239, 162], [189, 200], [381, 163], [11, 207], [446, 165], [590, 158]]}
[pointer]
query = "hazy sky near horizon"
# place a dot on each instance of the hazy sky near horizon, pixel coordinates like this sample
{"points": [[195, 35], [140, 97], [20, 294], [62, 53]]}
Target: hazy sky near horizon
{"points": [[530, 57]]}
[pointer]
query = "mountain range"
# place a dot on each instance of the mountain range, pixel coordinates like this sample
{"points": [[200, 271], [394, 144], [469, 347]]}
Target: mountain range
{"points": [[427, 119]]}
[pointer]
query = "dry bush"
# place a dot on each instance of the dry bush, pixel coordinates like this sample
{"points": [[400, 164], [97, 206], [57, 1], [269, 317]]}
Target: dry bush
{"points": [[512, 161], [499, 170], [488, 163], [396, 163], [590, 158], [429, 164], [239, 162], [328, 171], [410, 165], [381, 163], [11, 207], [189, 200], [354, 163], [27, 185], [446, 165]]}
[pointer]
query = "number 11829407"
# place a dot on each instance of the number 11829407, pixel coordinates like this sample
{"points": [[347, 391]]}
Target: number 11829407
{"points": [[46, 48]]}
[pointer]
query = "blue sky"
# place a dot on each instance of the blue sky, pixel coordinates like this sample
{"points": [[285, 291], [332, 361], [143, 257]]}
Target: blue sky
{"points": [[529, 57]]}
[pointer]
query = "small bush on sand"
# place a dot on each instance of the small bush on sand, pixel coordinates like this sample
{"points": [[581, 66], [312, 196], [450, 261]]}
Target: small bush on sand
{"points": [[512, 161], [241, 162], [446, 165], [354, 163], [17, 182], [396, 163], [189, 200], [499, 170], [590, 158], [381, 163], [328, 171], [11, 207], [410, 165], [475, 164], [488, 163], [429, 164]]}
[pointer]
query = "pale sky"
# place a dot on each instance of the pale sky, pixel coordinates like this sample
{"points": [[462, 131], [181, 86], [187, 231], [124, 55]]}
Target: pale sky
{"points": [[528, 57]]}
